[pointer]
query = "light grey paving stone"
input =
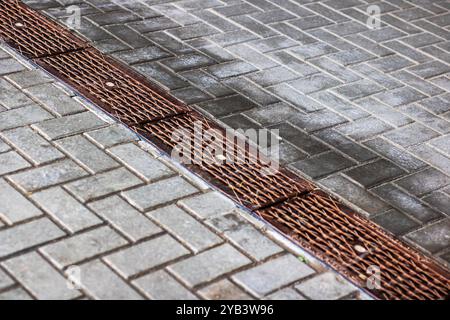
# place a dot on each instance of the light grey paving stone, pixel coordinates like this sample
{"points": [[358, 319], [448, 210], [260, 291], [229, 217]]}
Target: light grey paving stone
{"points": [[10, 66], [442, 144], [245, 236], [158, 193], [87, 154], [208, 205], [68, 125], [16, 294], [285, 294], [32, 145], [112, 135], [384, 112], [364, 128], [29, 78], [47, 176], [28, 235], [40, 278], [5, 280], [11, 97], [271, 275], [11, 161], [223, 290], [102, 283], [64, 209], [23, 116], [209, 265], [161, 286], [327, 286], [14, 207], [141, 162], [83, 246], [124, 218], [440, 201], [4, 146], [424, 181], [185, 228], [146, 255], [103, 184], [434, 237]]}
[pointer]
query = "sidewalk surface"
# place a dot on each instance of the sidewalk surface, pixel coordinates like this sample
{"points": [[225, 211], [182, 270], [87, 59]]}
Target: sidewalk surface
{"points": [[364, 113], [82, 199]]}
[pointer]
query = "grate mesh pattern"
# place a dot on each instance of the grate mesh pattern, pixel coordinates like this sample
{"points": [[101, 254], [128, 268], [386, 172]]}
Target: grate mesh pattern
{"points": [[244, 178], [33, 35], [354, 245], [111, 87]]}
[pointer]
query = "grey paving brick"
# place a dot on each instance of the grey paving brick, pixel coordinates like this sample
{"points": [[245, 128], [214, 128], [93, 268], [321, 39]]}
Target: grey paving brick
{"points": [[358, 89], [5, 280], [194, 31], [327, 286], [314, 83], [272, 44], [47, 176], [185, 228], [154, 24], [317, 120], [208, 205], [29, 78], [390, 63], [23, 116], [15, 294], [251, 91], [323, 164], [427, 118], [297, 99], [340, 105], [65, 210], [307, 23], [102, 283], [355, 194], [86, 154], [351, 56], [103, 184], [52, 99], [272, 114], [10, 66], [384, 112], [430, 69], [28, 235], [421, 40], [188, 62], [146, 255], [223, 290], [11, 97], [406, 51], [75, 249], [434, 237], [422, 85], [395, 222], [313, 50], [442, 144], [254, 26], [411, 135], [14, 207], [230, 69], [3, 146], [439, 200], [374, 173], [111, 135], [39, 277], [124, 218], [285, 294], [11, 161], [424, 181], [245, 236], [271, 275], [32, 145], [191, 95], [141, 55], [293, 63], [272, 76], [114, 17], [207, 83], [164, 191], [160, 285], [208, 265], [365, 128], [68, 125], [227, 105], [431, 156]]}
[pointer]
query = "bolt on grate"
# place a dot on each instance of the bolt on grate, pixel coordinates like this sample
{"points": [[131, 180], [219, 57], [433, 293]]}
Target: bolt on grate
{"points": [[33, 35], [112, 86], [353, 246]]}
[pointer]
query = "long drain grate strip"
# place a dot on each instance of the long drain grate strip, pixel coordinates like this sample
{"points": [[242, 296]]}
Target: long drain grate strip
{"points": [[320, 224]]}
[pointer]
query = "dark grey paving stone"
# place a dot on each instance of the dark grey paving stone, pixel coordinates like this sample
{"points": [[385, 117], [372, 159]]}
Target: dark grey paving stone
{"points": [[230, 69], [313, 50], [400, 96], [226, 106], [358, 89], [193, 31], [416, 82], [434, 237], [272, 44], [421, 40], [191, 95], [411, 135], [272, 76], [439, 200], [169, 43], [364, 128], [313, 83], [188, 62], [129, 36], [161, 75], [430, 120], [318, 120], [430, 69], [250, 90], [340, 72], [207, 83], [374, 173], [351, 56], [272, 114], [395, 222], [233, 37], [311, 22], [116, 17], [442, 144], [142, 55], [339, 105], [424, 181], [297, 99], [390, 63], [384, 112], [323, 164]]}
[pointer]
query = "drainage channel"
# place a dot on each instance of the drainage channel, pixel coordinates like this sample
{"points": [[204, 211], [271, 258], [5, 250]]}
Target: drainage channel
{"points": [[349, 243]]}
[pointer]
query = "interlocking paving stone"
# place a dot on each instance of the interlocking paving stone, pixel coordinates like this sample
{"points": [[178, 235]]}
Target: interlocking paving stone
{"points": [[3, 146], [103, 184], [374, 173], [10, 66], [47, 176], [111, 135], [23, 116], [325, 287], [5, 280], [29, 78], [83, 246], [411, 135], [140, 162], [260, 281], [32, 145], [209, 265], [208, 205], [285, 294], [14, 207], [424, 181], [28, 235], [39, 277], [365, 128], [223, 290], [102, 283], [64, 209], [185, 228], [15, 294], [317, 120], [434, 237], [11, 161], [142, 55], [323, 164], [123, 217], [297, 99], [395, 222], [439, 201], [161, 286], [146, 255]]}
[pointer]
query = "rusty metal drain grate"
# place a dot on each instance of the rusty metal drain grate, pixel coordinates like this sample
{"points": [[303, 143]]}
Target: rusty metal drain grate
{"points": [[355, 247], [334, 233], [31, 34], [229, 162], [112, 87]]}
